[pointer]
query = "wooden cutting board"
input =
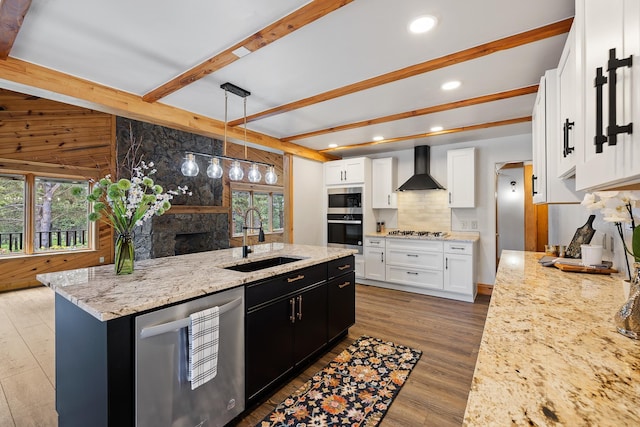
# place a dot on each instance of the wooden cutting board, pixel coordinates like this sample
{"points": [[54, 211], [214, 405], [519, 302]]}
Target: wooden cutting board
{"points": [[583, 269]]}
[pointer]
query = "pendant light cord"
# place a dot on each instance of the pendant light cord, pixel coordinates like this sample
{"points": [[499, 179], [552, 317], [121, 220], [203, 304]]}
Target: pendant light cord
{"points": [[245, 127], [224, 151]]}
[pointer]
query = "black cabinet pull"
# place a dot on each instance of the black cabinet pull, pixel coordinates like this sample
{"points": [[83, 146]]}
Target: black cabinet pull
{"points": [[446, 263], [292, 317], [566, 128], [412, 273], [600, 137], [381, 256], [533, 185], [300, 307], [612, 66]]}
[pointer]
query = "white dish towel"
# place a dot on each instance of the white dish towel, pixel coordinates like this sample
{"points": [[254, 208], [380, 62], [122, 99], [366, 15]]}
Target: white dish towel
{"points": [[203, 346]]}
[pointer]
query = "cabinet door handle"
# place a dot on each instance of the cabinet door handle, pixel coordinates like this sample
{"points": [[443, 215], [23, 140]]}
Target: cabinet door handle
{"points": [[388, 199], [612, 66], [381, 256], [344, 267], [458, 248], [413, 255], [566, 150], [449, 196], [344, 285], [300, 307], [446, 263], [341, 178], [533, 185], [412, 273], [292, 317], [295, 279], [600, 138], [345, 175]]}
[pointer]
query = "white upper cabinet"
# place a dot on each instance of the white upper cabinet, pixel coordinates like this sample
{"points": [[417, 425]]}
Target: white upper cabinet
{"points": [[608, 39], [384, 183], [547, 146], [568, 108], [347, 171], [461, 178]]}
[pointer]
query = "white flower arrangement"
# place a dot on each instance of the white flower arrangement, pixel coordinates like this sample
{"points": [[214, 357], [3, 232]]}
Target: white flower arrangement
{"points": [[129, 203]]}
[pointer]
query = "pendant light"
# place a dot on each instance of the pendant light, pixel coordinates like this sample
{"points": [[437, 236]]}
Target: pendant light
{"points": [[214, 170], [254, 174], [189, 166], [271, 177]]}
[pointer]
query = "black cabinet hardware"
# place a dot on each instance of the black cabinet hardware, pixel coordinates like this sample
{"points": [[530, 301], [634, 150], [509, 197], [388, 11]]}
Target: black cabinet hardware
{"points": [[612, 66], [566, 128], [600, 137], [533, 185]]}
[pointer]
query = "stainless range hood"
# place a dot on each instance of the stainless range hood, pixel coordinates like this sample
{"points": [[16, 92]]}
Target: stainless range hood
{"points": [[421, 180]]}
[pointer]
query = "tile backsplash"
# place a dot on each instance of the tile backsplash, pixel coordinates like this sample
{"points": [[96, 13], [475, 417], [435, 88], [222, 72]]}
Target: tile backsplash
{"points": [[424, 210]]}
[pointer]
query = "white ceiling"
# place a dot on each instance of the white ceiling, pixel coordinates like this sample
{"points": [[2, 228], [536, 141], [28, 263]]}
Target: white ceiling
{"points": [[136, 46]]}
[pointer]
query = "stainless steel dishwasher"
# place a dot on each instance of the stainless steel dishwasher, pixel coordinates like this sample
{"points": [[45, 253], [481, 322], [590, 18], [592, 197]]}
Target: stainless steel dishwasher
{"points": [[163, 391]]}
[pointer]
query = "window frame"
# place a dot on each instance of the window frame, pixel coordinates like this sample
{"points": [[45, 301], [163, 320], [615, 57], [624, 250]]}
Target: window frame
{"points": [[32, 170], [252, 189]]}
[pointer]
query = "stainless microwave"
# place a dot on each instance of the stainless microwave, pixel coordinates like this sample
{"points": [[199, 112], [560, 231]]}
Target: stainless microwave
{"points": [[345, 200]]}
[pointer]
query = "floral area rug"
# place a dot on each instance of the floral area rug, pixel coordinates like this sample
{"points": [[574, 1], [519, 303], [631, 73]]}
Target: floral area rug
{"points": [[355, 389]]}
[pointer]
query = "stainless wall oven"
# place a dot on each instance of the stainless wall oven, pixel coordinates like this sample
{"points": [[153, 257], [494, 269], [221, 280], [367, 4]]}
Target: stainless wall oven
{"points": [[344, 218]]}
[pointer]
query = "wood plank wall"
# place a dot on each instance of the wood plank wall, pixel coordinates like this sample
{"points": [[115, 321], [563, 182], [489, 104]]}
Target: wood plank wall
{"points": [[36, 129]]}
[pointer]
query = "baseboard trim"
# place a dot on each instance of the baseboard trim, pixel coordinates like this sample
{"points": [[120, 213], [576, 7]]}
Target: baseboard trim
{"points": [[484, 289]]}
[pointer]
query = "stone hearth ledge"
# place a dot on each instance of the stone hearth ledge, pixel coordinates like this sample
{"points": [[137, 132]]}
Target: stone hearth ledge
{"points": [[161, 281], [550, 354]]}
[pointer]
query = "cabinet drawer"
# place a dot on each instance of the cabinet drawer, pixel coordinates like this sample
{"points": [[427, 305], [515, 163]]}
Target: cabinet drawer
{"points": [[342, 304], [423, 260], [415, 245], [374, 242], [458, 248], [430, 279], [340, 266], [285, 284]]}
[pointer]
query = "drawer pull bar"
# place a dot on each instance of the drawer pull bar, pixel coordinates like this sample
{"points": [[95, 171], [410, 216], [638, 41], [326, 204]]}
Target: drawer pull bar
{"points": [[344, 267], [292, 317], [344, 285], [295, 279], [413, 255], [457, 248], [300, 307], [413, 273]]}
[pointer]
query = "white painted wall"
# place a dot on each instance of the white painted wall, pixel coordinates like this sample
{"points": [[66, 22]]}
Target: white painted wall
{"points": [[308, 190], [488, 153]]}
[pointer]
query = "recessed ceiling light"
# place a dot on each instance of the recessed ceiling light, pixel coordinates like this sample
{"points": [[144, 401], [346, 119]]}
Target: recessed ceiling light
{"points": [[422, 24], [378, 138], [241, 51], [453, 84], [436, 128], [333, 145]]}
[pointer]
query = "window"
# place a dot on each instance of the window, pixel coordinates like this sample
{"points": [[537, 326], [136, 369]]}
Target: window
{"points": [[268, 201], [40, 214]]}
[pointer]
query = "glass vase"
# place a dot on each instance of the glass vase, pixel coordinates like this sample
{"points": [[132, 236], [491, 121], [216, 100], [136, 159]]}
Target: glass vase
{"points": [[125, 254], [628, 317]]}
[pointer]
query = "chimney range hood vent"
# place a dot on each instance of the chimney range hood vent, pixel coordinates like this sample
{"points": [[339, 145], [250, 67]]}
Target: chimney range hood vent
{"points": [[421, 180]]}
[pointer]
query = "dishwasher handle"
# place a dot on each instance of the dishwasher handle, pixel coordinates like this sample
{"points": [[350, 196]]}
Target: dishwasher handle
{"points": [[163, 328]]}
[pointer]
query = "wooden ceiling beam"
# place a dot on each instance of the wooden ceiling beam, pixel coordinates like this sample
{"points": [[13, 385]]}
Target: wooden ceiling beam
{"points": [[290, 23], [12, 14], [429, 134], [421, 112], [50, 84], [510, 42]]}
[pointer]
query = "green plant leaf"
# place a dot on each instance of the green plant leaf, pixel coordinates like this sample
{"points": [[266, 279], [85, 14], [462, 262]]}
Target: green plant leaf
{"points": [[635, 244]]}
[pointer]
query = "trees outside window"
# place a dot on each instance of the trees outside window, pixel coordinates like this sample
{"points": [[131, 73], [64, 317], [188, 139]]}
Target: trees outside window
{"points": [[270, 204]]}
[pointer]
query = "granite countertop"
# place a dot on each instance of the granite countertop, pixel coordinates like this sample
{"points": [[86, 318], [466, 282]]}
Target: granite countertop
{"points": [[453, 236], [550, 354], [161, 281]]}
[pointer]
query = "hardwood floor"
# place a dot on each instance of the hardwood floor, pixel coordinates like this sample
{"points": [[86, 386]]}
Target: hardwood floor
{"points": [[448, 332]]}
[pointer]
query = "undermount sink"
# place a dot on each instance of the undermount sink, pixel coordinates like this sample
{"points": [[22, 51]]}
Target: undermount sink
{"points": [[261, 264]]}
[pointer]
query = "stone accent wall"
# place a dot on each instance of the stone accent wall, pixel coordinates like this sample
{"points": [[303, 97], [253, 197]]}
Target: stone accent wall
{"points": [[170, 233]]}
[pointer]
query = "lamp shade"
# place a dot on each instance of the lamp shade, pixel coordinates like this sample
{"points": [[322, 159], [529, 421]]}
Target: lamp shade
{"points": [[214, 170], [236, 173], [189, 166], [254, 174], [271, 177]]}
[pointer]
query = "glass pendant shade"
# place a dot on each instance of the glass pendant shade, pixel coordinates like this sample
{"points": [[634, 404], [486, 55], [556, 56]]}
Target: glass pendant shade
{"points": [[189, 166], [271, 177], [214, 170], [254, 174], [236, 173]]}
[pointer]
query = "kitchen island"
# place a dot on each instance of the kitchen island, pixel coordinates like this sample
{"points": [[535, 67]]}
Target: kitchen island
{"points": [[550, 354], [121, 353]]}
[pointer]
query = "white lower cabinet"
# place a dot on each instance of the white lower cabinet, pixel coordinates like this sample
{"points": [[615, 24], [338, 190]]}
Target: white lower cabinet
{"points": [[443, 268], [374, 248], [360, 266], [459, 268]]}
